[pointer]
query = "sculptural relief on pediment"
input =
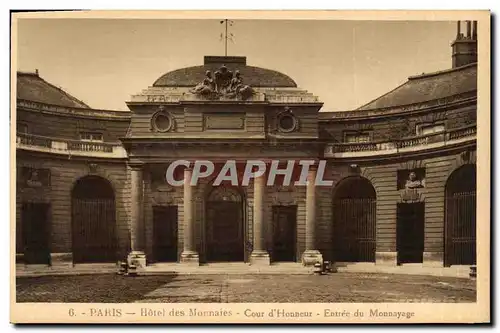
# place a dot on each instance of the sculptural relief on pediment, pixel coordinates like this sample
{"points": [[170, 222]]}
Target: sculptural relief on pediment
{"points": [[223, 84]]}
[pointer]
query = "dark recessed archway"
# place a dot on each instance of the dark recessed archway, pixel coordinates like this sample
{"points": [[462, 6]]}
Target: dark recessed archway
{"points": [[224, 225], [460, 217], [93, 220], [354, 220]]}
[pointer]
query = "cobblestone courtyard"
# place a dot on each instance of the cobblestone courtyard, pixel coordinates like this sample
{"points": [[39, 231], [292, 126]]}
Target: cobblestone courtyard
{"points": [[340, 287]]}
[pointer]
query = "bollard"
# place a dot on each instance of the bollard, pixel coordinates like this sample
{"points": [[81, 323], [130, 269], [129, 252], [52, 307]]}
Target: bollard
{"points": [[326, 267], [473, 272], [318, 268], [122, 268], [132, 268]]}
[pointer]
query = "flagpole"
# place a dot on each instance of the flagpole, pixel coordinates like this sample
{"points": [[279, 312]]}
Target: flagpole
{"points": [[226, 40]]}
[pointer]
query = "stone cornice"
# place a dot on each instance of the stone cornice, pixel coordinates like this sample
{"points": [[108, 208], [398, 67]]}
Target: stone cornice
{"points": [[72, 112], [259, 98], [416, 154], [201, 141], [404, 110], [135, 165]]}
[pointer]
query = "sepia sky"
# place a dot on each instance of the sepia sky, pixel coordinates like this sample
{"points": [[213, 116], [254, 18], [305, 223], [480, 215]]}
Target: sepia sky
{"points": [[345, 63]]}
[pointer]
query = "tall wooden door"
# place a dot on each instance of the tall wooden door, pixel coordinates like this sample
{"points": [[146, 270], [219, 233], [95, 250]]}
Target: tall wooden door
{"points": [[93, 221], [354, 229], [460, 228], [224, 231], [410, 232], [284, 233], [165, 233], [354, 220], [35, 229], [460, 217], [94, 231]]}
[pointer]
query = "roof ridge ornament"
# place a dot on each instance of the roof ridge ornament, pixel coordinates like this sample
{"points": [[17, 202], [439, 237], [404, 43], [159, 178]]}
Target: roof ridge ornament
{"points": [[223, 84]]}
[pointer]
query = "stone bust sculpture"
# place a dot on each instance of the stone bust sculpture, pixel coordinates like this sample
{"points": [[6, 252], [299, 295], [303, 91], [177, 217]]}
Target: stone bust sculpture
{"points": [[34, 181], [413, 182]]}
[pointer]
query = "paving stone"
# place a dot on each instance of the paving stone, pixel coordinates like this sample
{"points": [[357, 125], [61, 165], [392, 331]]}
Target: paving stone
{"points": [[339, 287]]}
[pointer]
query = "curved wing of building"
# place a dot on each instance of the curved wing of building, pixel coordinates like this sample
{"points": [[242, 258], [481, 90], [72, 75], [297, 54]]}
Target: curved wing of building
{"points": [[396, 177]]}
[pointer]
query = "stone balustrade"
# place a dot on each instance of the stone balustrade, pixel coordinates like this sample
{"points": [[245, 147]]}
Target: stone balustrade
{"points": [[292, 99], [257, 96], [70, 147], [421, 142], [338, 150]]}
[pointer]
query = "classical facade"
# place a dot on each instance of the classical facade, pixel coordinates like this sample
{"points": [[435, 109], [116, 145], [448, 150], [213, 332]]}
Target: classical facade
{"points": [[91, 184]]}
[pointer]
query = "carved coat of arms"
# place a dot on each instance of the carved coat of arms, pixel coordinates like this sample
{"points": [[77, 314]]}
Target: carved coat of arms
{"points": [[224, 83]]}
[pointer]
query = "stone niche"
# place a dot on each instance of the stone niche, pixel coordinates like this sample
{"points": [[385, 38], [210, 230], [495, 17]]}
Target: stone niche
{"points": [[158, 181], [29, 177], [411, 182]]}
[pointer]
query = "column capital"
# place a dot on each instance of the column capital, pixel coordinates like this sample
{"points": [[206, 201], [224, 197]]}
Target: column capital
{"points": [[136, 165], [256, 168], [313, 167], [311, 176]]}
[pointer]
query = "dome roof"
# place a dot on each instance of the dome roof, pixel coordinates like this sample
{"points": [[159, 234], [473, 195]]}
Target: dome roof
{"points": [[31, 87], [252, 76], [426, 87]]}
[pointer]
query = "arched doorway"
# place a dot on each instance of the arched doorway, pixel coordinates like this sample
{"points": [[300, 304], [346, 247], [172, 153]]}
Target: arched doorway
{"points": [[224, 225], [460, 216], [93, 221], [354, 216]]}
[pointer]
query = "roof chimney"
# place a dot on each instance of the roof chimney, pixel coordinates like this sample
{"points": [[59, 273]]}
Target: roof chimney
{"points": [[469, 27], [465, 47], [36, 71]]}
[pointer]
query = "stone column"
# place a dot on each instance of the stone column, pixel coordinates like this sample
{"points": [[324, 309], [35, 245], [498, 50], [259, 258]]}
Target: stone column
{"points": [[259, 255], [189, 254], [137, 256], [311, 255]]}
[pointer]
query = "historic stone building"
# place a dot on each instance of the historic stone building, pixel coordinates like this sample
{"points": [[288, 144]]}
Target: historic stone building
{"points": [[91, 183]]}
